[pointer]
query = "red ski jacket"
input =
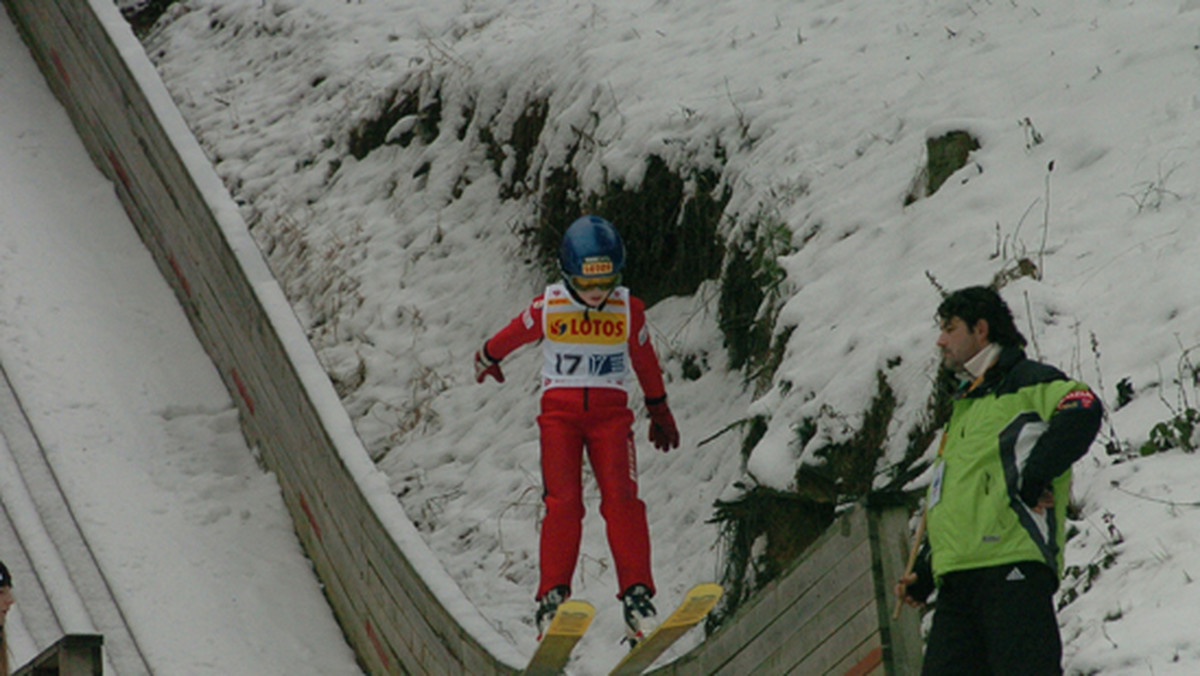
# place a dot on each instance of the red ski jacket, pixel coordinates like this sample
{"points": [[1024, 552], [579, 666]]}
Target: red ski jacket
{"points": [[527, 327]]}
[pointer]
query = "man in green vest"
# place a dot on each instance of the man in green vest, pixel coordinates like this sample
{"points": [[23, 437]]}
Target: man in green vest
{"points": [[996, 506]]}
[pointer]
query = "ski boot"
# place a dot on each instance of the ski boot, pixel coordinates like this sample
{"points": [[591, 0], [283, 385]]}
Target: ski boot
{"points": [[640, 616], [548, 605]]}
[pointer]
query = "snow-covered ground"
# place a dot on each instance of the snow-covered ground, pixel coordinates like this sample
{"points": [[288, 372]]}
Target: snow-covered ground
{"points": [[401, 261], [191, 533]]}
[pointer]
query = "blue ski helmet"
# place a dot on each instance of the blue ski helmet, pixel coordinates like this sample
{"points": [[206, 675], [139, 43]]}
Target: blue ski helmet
{"points": [[591, 248]]}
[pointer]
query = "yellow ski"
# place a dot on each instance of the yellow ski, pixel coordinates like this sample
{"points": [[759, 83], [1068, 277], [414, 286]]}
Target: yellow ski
{"points": [[695, 607], [569, 623]]}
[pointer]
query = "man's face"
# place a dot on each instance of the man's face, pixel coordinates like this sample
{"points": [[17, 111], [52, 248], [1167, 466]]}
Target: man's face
{"points": [[959, 342]]}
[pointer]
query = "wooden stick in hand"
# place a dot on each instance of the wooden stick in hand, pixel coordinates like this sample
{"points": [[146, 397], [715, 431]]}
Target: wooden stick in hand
{"points": [[912, 560]]}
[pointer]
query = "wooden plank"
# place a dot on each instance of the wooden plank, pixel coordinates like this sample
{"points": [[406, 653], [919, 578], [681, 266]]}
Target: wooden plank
{"points": [[71, 655], [903, 646], [866, 659], [843, 537], [792, 624], [825, 658], [883, 527], [810, 620], [752, 619]]}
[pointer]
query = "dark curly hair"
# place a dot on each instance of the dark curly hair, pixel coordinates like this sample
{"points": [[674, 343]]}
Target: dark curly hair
{"points": [[973, 303]]}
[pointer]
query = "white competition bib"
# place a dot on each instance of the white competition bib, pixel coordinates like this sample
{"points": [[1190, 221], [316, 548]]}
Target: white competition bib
{"points": [[585, 347]]}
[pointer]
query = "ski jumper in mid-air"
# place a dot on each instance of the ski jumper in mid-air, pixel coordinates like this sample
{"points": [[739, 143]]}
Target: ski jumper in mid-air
{"points": [[593, 336]]}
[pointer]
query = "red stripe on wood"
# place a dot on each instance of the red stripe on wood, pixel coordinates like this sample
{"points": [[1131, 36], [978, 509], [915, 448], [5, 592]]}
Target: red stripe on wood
{"points": [[58, 66], [868, 664], [243, 391], [120, 170], [379, 649], [183, 281], [312, 518]]}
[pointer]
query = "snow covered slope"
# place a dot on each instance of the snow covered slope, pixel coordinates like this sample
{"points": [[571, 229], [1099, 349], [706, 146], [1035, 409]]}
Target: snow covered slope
{"points": [[403, 256]]}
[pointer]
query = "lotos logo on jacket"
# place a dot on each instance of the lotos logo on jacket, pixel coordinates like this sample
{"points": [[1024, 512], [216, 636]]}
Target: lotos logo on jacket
{"points": [[597, 328]]}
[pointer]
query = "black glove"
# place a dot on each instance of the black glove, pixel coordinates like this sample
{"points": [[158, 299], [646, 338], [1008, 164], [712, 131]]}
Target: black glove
{"points": [[920, 590], [1032, 491]]}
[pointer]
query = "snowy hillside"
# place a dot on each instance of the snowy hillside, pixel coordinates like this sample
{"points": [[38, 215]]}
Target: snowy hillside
{"points": [[394, 161]]}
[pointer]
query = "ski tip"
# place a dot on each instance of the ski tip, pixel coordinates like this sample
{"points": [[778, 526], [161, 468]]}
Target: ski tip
{"points": [[707, 593]]}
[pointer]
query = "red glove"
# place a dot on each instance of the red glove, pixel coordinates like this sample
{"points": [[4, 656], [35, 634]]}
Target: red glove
{"points": [[486, 366], [663, 432]]}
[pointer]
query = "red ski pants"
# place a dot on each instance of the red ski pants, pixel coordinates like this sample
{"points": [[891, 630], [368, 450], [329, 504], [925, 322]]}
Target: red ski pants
{"points": [[598, 420]]}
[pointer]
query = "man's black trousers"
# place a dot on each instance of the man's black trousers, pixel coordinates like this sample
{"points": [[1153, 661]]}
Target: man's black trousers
{"points": [[997, 621]]}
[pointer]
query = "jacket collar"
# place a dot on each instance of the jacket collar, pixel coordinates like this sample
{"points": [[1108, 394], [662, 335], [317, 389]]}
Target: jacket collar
{"points": [[1008, 358], [979, 364]]}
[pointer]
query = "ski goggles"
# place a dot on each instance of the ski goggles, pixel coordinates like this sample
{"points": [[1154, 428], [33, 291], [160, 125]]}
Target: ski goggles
{"points": [[605, 283]]}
